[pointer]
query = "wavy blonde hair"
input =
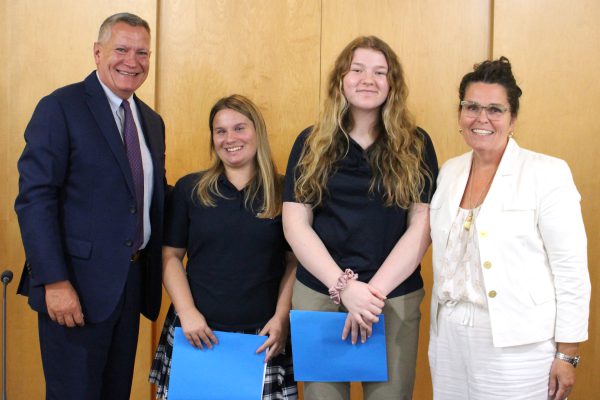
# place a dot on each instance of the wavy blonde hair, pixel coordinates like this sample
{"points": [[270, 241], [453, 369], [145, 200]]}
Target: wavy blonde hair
{"points": [[266, 185], [396, 156]]}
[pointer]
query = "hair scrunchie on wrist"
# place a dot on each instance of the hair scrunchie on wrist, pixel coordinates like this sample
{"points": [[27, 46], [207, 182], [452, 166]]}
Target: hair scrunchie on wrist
{"points": [[336, 290]]}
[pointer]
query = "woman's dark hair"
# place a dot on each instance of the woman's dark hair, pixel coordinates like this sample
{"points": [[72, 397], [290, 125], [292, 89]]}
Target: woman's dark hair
{"points": [[494, 71]]}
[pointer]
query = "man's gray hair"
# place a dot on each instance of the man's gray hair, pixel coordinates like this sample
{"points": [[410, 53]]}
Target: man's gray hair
{"points": [[129, 19]]}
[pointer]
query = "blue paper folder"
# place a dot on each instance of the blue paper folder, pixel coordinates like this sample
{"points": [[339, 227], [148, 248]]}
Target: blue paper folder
{"points": [[231, 370], [320, 355]]}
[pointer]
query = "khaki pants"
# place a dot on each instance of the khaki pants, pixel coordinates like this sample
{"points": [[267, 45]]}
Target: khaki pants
{"points": [[402, 317]]}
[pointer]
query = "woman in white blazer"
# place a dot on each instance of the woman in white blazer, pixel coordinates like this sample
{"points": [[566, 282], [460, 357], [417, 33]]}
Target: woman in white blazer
{"points": [[510, 299]]}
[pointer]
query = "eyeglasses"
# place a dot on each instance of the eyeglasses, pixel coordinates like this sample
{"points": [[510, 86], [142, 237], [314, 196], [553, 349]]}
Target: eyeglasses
{"points": [[473, 109]]}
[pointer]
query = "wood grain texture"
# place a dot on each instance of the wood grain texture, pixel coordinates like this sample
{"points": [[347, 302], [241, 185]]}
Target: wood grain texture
{"points": [[553, 47], [266, 50], [436, 42], [46, 45], [279, 54]]}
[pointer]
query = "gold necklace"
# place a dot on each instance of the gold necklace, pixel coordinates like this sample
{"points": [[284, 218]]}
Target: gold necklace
{"points": [[470, 216]]}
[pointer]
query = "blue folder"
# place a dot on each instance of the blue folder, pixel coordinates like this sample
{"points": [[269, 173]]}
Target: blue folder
{"points": [[231, 370], [320, 355]]}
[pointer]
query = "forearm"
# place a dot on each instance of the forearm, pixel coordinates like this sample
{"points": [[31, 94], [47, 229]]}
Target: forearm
{"points": [[284, 299], [560, 224], [307, 246], [177, 285], [570, 349], [407, 253], [361, 300], [42, 170], [278, 327], [193, 323]]}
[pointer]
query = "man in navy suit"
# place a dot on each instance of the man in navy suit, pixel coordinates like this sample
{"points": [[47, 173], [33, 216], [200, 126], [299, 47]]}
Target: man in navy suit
{"points": [[90, 209]]}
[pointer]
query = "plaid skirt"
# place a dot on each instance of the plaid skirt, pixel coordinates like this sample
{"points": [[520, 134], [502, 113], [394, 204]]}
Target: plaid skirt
{"points": [[279, 376]]}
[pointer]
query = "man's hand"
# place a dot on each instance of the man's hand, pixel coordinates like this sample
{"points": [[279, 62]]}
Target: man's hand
{"points": [[63, 304]]}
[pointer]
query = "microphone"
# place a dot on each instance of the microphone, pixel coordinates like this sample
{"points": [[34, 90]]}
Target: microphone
{"points": [[7, 276]]}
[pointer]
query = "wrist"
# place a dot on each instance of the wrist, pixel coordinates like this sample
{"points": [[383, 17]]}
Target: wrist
{"points": [[342, 282], [379, 287], [187, 311], [57, 285], [570, 349], [282, 315], [573, 360]]}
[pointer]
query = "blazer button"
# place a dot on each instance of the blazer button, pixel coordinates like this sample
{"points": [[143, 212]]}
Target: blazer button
{"points": [[492, 293], [487, 265], [132, 210], [129, 243]]}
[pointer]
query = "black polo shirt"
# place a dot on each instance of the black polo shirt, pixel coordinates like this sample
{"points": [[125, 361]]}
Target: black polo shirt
{"points": [[235, 259], [358, 230]]}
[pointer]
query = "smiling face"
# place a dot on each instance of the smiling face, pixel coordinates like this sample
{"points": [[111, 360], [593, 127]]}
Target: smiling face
{"points": [[123, 60], [365, 85], [234, 139], [482, 134]]}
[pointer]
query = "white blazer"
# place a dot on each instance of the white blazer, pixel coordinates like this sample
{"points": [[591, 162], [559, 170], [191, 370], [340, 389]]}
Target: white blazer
{"points": [[532, 245]]}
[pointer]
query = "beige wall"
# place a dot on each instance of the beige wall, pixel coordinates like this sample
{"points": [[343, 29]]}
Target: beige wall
{"points": [[421, 33], [279, 54], [555, 49], [45, 45]]}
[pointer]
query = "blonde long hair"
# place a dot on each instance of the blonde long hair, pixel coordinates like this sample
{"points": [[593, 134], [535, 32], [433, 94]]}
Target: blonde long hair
{"points": [[266, 185], [396, 156]]}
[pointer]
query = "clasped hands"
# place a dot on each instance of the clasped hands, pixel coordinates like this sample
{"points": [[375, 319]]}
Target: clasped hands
{"points": [[364, 304]]}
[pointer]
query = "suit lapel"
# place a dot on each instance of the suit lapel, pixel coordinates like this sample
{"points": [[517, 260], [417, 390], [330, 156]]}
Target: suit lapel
{"points": [[153, 136], [151, 131], [458, 185], [100, 109], [502, 185]]}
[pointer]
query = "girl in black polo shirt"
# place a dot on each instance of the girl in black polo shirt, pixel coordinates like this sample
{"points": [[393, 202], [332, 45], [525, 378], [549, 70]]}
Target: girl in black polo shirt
{"points": [[355, 202], [240, 271]]}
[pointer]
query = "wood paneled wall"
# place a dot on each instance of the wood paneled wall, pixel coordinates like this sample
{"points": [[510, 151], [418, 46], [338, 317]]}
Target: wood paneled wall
{"points": [[46, 45], [422, 33], [266, 50], [279, 53], [554, 47]]}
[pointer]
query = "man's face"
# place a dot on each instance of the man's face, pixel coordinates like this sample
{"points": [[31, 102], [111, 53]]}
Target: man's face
{"points": [[123, 61]]}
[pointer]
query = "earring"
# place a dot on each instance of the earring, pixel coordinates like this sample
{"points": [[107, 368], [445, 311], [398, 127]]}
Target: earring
{"points": [[460, 131], [510, 134]]}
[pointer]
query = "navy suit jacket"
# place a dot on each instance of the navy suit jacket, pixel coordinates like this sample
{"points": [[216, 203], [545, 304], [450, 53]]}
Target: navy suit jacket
{"points": [[76, 202]]}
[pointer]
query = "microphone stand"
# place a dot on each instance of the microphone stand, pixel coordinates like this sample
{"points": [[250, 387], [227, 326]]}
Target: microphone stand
{"points": [[6, 278]]}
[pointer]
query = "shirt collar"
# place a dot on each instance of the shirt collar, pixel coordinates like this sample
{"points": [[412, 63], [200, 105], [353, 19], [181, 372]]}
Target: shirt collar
{"points": [[114, 100]]}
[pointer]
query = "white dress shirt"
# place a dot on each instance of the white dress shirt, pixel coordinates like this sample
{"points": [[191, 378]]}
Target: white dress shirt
{"points": [[118, 113]]}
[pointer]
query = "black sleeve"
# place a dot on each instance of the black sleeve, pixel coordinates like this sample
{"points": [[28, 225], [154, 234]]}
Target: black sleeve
{"points": [[177, 215], [430, 164], [286, 246], [291, 174]]}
